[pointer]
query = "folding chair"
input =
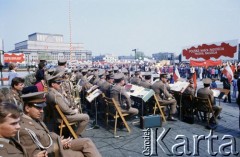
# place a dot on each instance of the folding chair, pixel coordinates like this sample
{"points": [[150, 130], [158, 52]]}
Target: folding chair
{"points": [[65, 123], [204, 105], [159, 107], [113, 109]]}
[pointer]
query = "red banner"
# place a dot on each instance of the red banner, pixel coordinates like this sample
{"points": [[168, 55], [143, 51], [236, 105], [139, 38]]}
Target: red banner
{"points": [[13, 57], [205, 63], [222, 50]]}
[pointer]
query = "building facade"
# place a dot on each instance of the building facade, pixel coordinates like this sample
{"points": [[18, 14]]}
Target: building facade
{"points": [[109, 58], [50, 47], [163, 56]]}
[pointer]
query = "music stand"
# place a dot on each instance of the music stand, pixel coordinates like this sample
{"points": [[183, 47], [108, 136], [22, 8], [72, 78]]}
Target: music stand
{"points": [[93, 96]]}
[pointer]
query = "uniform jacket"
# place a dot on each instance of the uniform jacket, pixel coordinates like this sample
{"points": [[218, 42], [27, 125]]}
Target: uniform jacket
{"points": [[135, 80], [105, 88], [42, 133], [161, 90], [120, 96], [8, 150], [206, 93], [145, 84]]}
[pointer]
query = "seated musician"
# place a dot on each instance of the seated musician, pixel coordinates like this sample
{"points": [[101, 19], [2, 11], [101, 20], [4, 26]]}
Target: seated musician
{"points": [[206, 92], [146, 82], [120, 95], [35, 136], [54, 97], [164, 97], [190, 89], [102, 77], [137, 78], [106, 86]]}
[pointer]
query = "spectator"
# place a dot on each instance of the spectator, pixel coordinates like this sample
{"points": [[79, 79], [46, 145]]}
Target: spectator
{"points": [[12, 72]]}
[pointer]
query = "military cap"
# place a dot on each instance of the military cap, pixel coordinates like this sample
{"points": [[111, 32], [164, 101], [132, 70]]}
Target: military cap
{"points": [[147, 74], [37, 98], [137, 72], [115, 68], [56, 78], [51, 70], [110, 70], [207, 81], [163, 76], [191, 81], [85, 70], [118, 76], [63, 61], [101, 72], [124, 70]]}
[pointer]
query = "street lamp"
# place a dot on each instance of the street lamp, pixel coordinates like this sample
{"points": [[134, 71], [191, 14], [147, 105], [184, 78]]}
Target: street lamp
{"points": [[135, 50], [1, 65]]}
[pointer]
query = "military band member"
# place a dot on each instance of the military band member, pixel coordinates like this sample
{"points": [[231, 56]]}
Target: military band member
{"points": [[9, 126], [190, 89], [126, 75], [107, 85], [62, 64], [84, 80], [120, 95], [164, 97], [35, 136], [136, 79], [206, 92], [55, 97], [102, 78], [146, 82]]}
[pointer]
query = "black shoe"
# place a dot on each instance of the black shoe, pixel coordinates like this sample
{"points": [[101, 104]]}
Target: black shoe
{"points": [[171, 119]]}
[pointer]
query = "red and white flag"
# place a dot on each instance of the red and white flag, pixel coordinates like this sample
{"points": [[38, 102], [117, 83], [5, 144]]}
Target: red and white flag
{"points": [[176, 75], [227, 71]]}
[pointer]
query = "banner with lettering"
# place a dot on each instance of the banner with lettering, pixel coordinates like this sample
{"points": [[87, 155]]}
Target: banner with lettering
{"points": [[226, 50], [13, 57]]}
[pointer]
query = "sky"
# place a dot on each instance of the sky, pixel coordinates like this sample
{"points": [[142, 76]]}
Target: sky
{"points": [[119, 26]]}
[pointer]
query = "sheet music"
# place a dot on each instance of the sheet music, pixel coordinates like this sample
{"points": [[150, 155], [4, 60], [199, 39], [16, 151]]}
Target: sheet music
{"points": [[216, 92], [92, 89], [179, 86], [140, 92], [93, 95], [90, 77]]}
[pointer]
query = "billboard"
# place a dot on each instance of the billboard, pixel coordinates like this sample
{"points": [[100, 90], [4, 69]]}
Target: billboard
{"points": [[225, 50], [13, 57]]}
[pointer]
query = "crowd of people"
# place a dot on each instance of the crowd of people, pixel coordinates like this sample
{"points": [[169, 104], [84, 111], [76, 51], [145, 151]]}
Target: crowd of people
{"points": [[24, 127]]}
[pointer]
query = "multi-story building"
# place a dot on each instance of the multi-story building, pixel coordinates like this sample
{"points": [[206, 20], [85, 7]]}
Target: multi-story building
{"points": [[163, 56], [50, 47], [109, 58]]}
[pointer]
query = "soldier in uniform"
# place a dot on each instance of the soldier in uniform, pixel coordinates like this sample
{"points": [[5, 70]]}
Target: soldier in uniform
{"points": [[35, 136], [84, 81], [136, 79], [164, 97], [146, 82], [55, 97], [9, 126], [106, 86], [206, 92], [14, 96], [101, 76], [190, 89], [61, 66], [120, 95], [126, 75]]}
